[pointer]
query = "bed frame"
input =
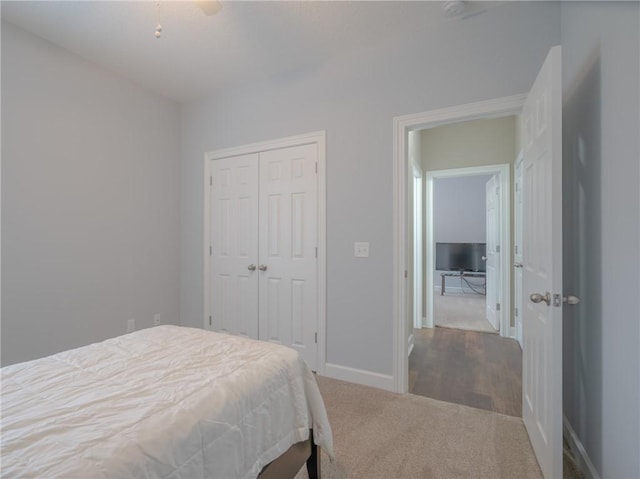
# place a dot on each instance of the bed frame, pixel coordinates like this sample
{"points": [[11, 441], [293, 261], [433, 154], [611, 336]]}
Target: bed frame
{"points": [[292, 460]]}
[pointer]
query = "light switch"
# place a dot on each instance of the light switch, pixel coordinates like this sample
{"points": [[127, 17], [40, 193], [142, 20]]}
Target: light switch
{"points": [[361, 250]]}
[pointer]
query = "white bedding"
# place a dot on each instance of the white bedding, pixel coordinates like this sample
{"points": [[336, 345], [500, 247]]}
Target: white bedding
{"points": [[165, 402]]}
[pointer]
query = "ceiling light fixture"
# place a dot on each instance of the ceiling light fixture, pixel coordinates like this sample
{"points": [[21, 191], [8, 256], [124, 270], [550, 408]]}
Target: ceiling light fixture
{"points": [[208, 7]]}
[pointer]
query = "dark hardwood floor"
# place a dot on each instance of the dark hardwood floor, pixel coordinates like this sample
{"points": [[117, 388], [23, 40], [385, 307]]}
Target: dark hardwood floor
{"points": [[475, 369]]}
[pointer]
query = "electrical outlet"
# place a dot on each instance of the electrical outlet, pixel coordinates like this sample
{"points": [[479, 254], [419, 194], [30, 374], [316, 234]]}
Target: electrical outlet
{"points": [[156, 319], [131, 326], [361, 249]]}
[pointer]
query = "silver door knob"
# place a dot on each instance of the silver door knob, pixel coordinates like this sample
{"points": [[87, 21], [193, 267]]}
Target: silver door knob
{"points": [[251, 267], [538, 298], [517, 265], [570, 299], [262, 267], [484, 258]]}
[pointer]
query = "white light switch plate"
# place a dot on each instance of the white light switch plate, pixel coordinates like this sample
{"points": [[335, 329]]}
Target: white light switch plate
{"points": [[156, 319], [361, 249]]}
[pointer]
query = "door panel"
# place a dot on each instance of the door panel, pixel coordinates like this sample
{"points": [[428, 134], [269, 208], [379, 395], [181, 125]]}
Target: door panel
{"points": [[234, 245], [288, 283], [542, 260]]}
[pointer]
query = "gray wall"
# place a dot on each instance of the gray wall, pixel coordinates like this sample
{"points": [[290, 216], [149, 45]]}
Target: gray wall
{"points": [[482, 142], [354, 97], [601, 235], [90, 206], [459, 209]]}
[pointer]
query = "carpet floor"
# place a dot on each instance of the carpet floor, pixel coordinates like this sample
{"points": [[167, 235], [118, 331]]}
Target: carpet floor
{"points": [[461, 311], [379, 434]]}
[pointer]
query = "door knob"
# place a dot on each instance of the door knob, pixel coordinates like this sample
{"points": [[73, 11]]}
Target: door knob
{"points": [[484, 258], [538, 298], [517, 265], [262, 267], [570, 299], [251, 267]]}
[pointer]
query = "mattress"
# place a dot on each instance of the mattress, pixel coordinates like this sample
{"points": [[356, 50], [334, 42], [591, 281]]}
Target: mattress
{"points": [[164, 402]]}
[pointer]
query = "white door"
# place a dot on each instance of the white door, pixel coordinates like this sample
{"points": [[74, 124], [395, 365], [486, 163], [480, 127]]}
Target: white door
{"points": [[288, 249], [417, 248], [493, 251], [234, 245], [517, 251], [542, 271]]}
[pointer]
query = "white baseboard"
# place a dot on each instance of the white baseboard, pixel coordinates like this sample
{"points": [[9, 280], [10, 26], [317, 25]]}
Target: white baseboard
{"points": [[578, 451], [410, 344], [359, 376]]}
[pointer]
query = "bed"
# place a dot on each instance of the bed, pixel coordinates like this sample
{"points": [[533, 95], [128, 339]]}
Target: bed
{"points": [[165, 402]]}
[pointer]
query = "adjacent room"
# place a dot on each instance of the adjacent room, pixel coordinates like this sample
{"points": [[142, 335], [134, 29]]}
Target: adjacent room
{"points": [[231, 231]]}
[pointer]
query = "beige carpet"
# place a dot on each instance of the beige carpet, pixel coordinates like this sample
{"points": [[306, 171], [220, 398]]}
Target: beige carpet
{"points": [[378, 434], [461, 311]]}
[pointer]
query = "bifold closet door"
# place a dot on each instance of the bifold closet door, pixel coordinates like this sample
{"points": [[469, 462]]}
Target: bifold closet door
{"points": [[287, 249], [234, 245]]}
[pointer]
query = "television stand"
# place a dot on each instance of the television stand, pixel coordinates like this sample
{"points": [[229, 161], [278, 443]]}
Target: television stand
{"points": [[460, 274]]}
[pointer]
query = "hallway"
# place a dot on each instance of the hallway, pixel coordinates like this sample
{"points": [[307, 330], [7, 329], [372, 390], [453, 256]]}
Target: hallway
{"points": [[475, 369]]}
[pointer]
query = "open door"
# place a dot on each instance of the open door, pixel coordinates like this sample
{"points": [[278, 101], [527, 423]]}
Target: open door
{"points": [[542, 260], [517, 250], [492, 257]]}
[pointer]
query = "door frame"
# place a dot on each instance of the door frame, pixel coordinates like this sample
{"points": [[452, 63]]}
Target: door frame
{"points": [[318, 138], [494, 108], [502, 172], [418, 247]]}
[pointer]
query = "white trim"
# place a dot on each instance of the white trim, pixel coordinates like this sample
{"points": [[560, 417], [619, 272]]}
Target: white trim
{"points": [[319, 138], [418, 249], [358, 376], [503, 172], [578, 451], [496, 108]]}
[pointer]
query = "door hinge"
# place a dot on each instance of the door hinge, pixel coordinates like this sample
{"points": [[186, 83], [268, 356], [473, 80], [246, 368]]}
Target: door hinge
{"points": [[211, 181], [210, 250], [497, 248], [516, 311], [497, 306], [517, 187], [406, 273], [316, 167], [316, 338], [209, 320], [316, 251], [516, 249]]}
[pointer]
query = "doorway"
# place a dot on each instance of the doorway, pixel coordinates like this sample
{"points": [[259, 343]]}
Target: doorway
{"points": [[477, 260], [460, 233], [459, 356], [501, 107]]}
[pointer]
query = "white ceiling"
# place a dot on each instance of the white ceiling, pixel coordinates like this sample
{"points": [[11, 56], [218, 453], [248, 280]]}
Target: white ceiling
{"points": [[197, 54]]}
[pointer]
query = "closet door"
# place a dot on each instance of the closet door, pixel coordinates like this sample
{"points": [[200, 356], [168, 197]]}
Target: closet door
{"points": [[234, 245], [288, 241]]}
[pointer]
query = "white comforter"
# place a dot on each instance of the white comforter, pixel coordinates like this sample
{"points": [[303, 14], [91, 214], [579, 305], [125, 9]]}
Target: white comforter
{"points": [[165, 402]]}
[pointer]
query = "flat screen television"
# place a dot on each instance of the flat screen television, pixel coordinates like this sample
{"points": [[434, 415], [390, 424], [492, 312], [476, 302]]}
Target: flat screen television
{"points": [[461, 257]]}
